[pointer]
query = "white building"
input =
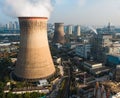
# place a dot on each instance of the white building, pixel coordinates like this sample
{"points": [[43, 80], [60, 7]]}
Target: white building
{"points": [[115, 48], [42, 83]]}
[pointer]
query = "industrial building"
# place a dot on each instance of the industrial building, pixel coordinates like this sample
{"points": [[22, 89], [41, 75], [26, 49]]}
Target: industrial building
{"points": [[83, 50], [113, 60], [87, 79], [86, 91], [100, 44], [96, 69], [114, 48]]}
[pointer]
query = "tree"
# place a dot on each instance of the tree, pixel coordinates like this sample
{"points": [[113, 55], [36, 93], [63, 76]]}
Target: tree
{"points": [[35, 95], [18, 95], [26, 95], [1, 86], [1, 95], [10, 95]]}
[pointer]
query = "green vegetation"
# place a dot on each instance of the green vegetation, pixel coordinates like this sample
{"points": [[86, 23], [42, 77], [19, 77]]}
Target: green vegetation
{"points": [[4, 71], [1, 86], [25, 95], [6, 66]]}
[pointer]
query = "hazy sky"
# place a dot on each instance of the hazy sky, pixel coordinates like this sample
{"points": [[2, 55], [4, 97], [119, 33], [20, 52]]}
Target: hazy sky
{"points": [[83, 12]]}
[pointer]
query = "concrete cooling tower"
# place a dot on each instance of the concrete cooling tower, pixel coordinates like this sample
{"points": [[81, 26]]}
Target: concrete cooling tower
{"points": [[59, 33], [34, 58]]}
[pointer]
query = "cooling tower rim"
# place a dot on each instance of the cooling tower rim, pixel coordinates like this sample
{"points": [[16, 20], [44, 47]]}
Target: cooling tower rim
{"points": [[32, 17]]}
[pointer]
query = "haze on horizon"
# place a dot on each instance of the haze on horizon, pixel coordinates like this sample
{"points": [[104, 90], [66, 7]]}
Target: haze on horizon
{"points": [[83, 12]]}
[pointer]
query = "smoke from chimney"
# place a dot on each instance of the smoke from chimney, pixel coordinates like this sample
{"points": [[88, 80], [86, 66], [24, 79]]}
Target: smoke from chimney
{"points": [[28, 8]]}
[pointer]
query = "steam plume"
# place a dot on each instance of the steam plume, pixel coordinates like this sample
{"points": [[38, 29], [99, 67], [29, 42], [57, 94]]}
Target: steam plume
{"points": [[26, 8]]}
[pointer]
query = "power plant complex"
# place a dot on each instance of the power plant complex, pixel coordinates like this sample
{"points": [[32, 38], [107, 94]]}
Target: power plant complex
{"points": [[59, 33], [34, 59]]}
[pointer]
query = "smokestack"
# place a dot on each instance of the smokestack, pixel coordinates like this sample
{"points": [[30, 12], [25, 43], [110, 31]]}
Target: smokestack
{"points": [[34, 58], [59, 33]]}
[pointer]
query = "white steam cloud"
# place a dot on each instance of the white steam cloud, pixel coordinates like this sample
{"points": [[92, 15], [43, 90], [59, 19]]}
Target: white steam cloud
{"points": [[27, 8]]}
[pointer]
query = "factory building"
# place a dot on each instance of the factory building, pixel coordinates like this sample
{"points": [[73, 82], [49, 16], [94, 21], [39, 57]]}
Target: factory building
{"points": [[96, 69], [100, 44]]}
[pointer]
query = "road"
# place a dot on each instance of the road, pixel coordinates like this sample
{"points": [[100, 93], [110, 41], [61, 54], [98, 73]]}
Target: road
{"points": [[66, 90]]}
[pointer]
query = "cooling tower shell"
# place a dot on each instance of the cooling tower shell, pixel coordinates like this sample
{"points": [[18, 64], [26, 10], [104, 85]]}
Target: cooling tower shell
{"points": [[59, 33], [34, 57]]}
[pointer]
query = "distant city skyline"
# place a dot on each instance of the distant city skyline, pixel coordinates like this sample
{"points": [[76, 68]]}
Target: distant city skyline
{"points": [[82, 12]]}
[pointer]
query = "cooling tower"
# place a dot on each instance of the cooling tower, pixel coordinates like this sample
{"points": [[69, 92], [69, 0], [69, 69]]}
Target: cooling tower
{"points": [[59, 33], [34, 58]]}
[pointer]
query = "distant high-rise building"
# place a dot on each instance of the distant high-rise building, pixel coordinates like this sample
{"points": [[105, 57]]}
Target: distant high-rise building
{"points": [[109, 27], [69, 30], [77, 30], [11, 26], [16, 25], [7, 26]]}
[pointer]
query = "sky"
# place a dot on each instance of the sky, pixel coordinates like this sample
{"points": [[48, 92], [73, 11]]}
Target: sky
{"points": [[82, 12]]}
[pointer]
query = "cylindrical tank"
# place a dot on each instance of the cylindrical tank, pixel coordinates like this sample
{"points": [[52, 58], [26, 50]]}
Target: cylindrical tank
{"points": [[34, 58], [59, 33]]}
